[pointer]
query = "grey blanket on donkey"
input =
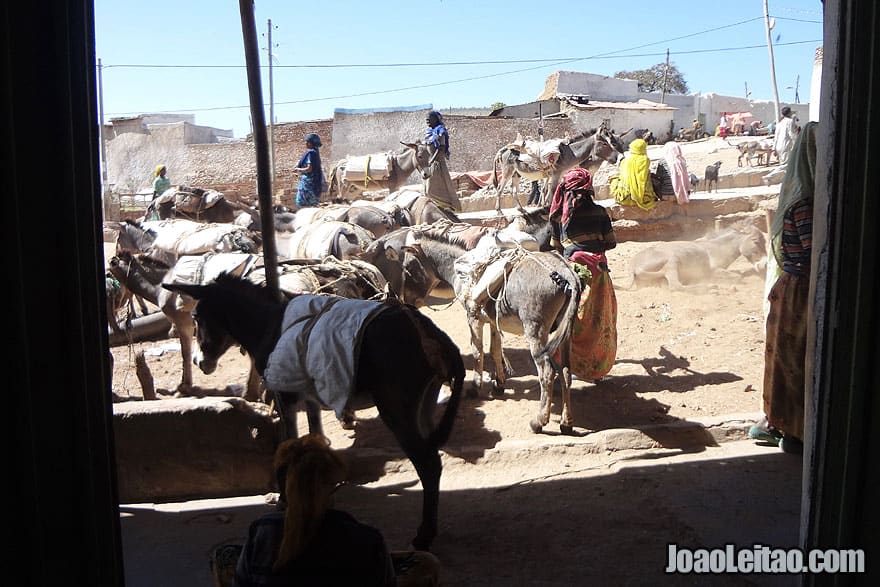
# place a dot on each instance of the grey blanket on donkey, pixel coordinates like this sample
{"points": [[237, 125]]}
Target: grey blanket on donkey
{"points": [[318, 348]]}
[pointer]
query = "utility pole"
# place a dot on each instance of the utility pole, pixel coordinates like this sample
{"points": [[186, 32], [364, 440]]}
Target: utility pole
{"points": [[271, 112], [261, 143], [665, 74], [101, 133], [768, 27], [541, 122]]}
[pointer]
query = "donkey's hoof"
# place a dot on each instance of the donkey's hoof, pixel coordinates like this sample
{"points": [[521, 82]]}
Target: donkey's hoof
{"points": [[536, 426], [498, 391], [567, 430]]}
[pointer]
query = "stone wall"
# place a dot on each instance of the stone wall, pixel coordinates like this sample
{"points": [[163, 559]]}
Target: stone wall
{"points": [[364, 133], [474, 141], [173, 450]]}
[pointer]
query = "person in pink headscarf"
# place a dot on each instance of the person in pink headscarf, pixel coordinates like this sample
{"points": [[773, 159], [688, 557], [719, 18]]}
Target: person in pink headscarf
{"points": [[582, 232], [671, 177], [579, 223]]}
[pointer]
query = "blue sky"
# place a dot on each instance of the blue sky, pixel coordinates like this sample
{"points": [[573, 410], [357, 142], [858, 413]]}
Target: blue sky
{"points": [[198, 44]]}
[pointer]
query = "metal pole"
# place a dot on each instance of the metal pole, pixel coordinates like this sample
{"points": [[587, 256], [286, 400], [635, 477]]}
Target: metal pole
{"points": [[772, 61], [101, 133], [665, 73], [540, 122], [261, 143], [271, 113]]}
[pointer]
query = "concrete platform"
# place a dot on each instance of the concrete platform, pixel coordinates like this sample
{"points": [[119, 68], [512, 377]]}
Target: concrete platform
{"points": [[612, 516], [668, 220]]}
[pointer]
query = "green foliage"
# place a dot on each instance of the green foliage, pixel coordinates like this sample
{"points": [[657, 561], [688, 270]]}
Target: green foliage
{"points": [[651, 79], [497, 106]]}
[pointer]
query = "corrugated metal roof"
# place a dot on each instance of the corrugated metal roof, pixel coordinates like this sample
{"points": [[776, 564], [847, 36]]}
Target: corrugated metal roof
{"points": [[598, 104]]}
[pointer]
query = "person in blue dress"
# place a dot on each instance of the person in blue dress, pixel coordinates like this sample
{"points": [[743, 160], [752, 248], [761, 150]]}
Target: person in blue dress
{"points": [[311, 178], [439, 186]]}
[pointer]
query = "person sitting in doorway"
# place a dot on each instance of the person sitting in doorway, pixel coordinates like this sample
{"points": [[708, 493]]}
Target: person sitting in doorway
{"points": [[311, 543]]}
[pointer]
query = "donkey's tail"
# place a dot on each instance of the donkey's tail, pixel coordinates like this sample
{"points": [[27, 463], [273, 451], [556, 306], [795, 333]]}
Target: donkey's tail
{"points": [[455, 374], [445, 358], [562, 333]]}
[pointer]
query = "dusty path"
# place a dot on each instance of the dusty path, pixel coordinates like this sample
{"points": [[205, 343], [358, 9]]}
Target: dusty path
{"points": [[680, 355]]}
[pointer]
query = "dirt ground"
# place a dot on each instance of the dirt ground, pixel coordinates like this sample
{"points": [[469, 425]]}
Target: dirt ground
{"points": [[681, 356]]}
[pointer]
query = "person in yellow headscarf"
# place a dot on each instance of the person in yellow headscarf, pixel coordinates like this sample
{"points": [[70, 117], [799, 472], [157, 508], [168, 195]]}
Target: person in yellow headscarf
{"points": [[161, 183], [632, 185]]}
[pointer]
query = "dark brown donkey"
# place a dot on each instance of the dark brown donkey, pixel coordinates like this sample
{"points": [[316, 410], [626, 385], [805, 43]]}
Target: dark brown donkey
{"points": [[233, 311]]}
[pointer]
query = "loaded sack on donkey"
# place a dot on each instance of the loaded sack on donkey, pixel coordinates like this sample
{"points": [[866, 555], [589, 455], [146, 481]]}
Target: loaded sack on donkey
{"points": [[367, 169], [594, 332], [189, 200], [537, 155]]}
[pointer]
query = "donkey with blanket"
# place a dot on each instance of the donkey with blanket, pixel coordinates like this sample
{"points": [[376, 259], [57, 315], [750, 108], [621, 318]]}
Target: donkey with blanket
{"points": [[332, 352], [508, 288]]}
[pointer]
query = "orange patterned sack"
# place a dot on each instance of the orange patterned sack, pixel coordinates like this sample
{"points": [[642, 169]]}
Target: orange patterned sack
{"points": [[594, 333]]}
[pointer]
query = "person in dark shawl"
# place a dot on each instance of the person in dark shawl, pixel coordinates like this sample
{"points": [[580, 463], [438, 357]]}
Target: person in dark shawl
{"points": [[311, 179], [582, 232], [791, 237], [439, 186]]}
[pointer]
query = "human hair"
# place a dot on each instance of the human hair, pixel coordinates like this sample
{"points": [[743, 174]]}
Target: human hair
{"points": [[786, 111], [308, 471], [314, 140]]}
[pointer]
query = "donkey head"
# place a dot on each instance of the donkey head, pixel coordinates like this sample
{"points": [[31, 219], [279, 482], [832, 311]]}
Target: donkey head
{"points": [[210, 320], [421, 158]]}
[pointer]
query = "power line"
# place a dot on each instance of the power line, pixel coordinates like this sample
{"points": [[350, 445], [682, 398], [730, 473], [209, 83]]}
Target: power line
{"points": [[459, 63], [476, 78]]}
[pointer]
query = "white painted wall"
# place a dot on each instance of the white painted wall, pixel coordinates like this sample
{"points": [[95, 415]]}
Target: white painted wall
{"points": [[598, 87]]}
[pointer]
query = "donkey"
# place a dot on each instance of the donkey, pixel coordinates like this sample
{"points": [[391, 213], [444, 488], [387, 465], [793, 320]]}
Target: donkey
{"points": [[684, 264], [539, 299], [591, 147], [221, 211], [318, 240], [371, 217], [144, 275], [420, 208], [233, 311], [166, 240], [412, 157]]}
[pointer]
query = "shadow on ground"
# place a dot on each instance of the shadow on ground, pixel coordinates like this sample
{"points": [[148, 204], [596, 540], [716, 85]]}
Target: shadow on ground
{"points": [[566, 529]]}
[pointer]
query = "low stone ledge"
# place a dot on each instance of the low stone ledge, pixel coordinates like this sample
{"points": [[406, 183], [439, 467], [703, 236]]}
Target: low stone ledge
{"points": [[178, 449]]}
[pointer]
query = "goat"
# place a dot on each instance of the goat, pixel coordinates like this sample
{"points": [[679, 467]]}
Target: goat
{"points": [[748, 150], [695, 181], [712, 176]]}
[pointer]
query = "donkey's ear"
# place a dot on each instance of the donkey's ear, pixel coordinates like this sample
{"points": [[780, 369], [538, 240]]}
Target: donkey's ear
{"points": [[412, 146], [194, 291]]}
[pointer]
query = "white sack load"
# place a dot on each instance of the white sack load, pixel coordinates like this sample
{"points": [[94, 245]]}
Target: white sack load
{"points": [[366, 168]]}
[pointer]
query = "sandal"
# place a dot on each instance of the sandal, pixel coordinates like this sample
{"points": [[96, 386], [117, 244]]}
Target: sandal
{"points": [[764, 432]]}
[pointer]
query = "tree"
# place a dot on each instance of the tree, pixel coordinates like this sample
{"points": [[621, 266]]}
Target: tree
{"points": [[651, 79], [497, 106]]}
